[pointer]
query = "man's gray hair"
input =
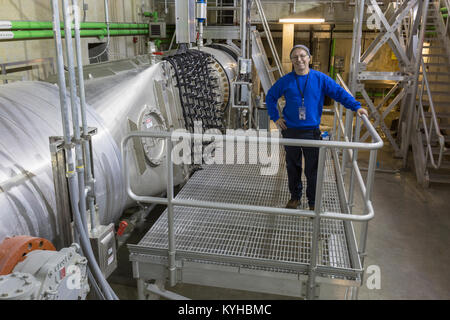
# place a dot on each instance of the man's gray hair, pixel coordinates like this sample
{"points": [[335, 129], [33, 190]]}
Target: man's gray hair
{"points": [[301, 47]]}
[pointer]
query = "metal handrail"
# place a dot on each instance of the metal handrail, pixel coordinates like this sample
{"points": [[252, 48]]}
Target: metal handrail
{"points": [[443, 27], [170, 201], [447, 21], [433, 121]]}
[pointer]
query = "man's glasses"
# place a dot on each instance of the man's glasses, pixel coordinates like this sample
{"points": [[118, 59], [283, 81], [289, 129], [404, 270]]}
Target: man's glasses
{"points": [[301, 57]]}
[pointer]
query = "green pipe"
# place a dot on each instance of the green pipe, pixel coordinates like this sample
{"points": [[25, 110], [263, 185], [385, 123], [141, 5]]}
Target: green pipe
{"points": [[23, 35], [43, 25], [333, 49], [151, 14]]}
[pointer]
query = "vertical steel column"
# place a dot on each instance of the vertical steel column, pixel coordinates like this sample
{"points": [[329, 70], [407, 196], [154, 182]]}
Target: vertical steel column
{"points": [[70, 167], [358, 20], [310, 292], [354, 70], [170, 220]]}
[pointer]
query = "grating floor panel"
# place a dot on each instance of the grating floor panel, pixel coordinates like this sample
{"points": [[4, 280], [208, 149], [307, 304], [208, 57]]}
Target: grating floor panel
{"points": [[246, 234]]}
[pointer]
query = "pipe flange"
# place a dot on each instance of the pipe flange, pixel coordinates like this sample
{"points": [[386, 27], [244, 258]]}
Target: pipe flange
{"points": [[14, 250]]}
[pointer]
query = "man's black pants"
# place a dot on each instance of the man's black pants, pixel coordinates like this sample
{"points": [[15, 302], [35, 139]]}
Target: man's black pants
{"points": [[294, 163]]}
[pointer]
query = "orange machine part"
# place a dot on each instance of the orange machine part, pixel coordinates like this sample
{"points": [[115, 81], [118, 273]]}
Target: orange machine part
{"points": [[14, 250]]}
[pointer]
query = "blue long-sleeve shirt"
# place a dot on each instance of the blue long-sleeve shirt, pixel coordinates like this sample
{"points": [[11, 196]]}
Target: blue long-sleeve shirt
{"points": [[318, 86]]}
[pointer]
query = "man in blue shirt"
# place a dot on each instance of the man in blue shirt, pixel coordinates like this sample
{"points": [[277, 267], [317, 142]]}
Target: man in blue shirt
{"points": [[304, 90]]}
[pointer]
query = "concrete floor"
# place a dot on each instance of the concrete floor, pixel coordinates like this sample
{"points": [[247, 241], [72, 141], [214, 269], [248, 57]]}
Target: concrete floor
{"points": [[408, 240]]}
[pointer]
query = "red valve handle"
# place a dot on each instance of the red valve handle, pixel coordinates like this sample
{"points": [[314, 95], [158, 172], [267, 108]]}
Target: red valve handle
{"points": [[122, 226]]}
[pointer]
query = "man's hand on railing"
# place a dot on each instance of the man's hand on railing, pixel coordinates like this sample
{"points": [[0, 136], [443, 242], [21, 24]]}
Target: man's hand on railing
{"points": [[281, 124], [362, 111]]}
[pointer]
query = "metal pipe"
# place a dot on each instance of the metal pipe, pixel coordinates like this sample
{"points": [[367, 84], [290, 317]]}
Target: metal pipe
{"points": [[38, 34], [69, 159], [164, 293], [62, 86], [75, 115], [89, 181], [48, 25], [244, 29], [107, 14]]}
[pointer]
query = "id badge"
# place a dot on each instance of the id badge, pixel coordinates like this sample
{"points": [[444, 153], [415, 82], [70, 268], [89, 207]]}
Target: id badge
{"points": [[302, 113]]}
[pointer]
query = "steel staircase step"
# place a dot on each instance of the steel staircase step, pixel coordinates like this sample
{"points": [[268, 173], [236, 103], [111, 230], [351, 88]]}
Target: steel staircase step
{"points": [[442, 127], [439, 178], [434, 55], [434, 140], [445, 165], [426, 103], [434, 47], [437, 73], [435, 93], [435, 64], [438, 114], [436, 150], [438, 83]]}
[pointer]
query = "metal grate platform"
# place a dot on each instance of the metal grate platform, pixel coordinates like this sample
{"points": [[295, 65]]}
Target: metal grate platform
{"points": [[249, 235]]}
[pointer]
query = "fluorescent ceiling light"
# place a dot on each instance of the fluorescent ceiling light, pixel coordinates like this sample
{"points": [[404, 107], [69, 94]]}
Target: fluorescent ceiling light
{"points": [[301, 20]]}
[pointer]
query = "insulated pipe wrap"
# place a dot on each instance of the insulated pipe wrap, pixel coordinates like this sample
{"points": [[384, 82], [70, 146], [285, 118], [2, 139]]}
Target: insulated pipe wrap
{"points": [[29, 115]]}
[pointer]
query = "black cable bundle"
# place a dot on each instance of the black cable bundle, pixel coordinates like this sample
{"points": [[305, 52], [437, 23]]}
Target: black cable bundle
{"points": [[196, 85]]}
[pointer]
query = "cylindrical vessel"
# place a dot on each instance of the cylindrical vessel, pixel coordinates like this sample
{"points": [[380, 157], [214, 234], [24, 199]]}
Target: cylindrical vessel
{"points": [[29, 115], [121, 97]]}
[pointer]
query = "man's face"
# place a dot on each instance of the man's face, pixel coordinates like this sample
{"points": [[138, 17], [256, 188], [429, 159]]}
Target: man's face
{"points": [[300, 59]]}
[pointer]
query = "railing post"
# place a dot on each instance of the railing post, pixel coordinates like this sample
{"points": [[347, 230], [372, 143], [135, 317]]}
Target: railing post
{"points": [[368, 197], [170, 219], [354, 159], [335, 124], [310, 294]]}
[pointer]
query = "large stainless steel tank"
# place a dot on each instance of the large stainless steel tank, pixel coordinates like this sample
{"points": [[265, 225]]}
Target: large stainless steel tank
{"points": [[123, 96], [29, 115]]}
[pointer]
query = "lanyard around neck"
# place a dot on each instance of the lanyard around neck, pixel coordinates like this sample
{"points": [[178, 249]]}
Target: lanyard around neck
{"points": [[304, 88]]}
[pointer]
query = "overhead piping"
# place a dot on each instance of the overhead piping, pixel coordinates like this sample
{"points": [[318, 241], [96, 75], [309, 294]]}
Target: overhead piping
{"points": [[38, 34], [48, 25]]}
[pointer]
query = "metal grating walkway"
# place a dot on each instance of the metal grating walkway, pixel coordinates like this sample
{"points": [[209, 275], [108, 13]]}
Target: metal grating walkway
{"points": [[251, 235]]}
